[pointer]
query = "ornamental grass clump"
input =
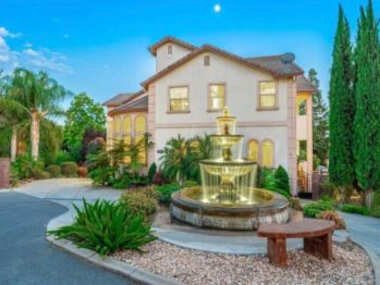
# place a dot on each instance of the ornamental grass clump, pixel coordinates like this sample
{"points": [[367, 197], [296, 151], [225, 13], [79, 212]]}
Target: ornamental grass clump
{"points": [[106, 227]]}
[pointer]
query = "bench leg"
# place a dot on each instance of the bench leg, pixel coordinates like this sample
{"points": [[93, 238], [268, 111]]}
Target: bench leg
{"points": [[277, 251], [319, 246]]}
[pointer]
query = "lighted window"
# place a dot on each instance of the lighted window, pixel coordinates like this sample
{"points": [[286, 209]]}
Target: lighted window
{"points": [[267, 149], [267, 94], [206, 60], [216, 97], [116, 127], [127, 125], [179, 99], [253, 150], [127, 132], [140, 130]]}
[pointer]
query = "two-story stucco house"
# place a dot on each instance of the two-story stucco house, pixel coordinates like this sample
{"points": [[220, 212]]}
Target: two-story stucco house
{"points": [[192, 84]]}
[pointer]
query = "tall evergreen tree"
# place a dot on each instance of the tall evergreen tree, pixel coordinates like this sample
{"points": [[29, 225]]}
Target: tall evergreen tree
{"points": [[342, 107], [320, 121], [367, 98]]}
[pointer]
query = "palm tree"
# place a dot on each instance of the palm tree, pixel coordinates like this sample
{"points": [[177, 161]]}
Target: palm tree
{"points": [[12, 114], [40, 95]]}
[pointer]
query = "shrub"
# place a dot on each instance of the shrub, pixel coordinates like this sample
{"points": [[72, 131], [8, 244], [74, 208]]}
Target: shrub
{"points": [[152, 172], [165, 192], [38, 173], [333, 216], [62, 156], [25, 167], [123, 182], [106, 227], [69, 169], [313, 209], [282, 179], [140, 202], [54, 170], [103, 175], [355, 209]]}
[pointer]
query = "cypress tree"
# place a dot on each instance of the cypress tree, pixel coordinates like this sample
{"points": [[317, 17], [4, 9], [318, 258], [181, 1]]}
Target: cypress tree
{"points": [[342, 107], [367, 98], [320, 122]]}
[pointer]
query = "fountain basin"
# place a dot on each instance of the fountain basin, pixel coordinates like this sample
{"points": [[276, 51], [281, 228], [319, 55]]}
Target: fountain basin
{"points": [[266, 207]]}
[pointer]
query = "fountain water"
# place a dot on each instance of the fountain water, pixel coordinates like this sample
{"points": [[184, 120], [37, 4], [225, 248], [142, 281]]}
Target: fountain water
{"points": [[228, 198]]}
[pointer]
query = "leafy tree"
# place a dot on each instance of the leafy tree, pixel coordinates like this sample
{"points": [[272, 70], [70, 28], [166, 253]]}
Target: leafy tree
{"points": [[342, 107], [83, 114], [40, 96], [367, 98], [320, 121]]}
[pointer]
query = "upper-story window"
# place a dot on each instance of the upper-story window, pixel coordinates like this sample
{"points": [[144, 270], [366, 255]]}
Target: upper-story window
{"points": [[206, 60], [216, 97], [179, 99], [170, 49], [267, 95]]}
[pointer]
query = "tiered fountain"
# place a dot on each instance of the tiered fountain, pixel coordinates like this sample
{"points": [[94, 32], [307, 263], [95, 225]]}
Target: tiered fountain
{"points": [[228, 198]]}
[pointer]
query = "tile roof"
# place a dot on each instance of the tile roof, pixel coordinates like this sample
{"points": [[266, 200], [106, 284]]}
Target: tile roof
{"points": [[138, 105], [304, 85], [278, 66], [153, 48], [282, 64], [122, 98]]}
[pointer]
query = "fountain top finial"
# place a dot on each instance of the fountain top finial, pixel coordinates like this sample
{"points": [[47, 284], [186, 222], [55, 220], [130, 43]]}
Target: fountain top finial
{"points": [[226, 112], [226, 124]]}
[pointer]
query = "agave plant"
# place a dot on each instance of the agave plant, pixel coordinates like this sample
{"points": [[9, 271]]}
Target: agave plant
{"points": [[106, 227]]}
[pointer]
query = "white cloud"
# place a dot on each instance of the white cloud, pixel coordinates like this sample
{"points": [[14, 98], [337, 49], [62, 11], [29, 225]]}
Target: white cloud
{"points": [[31, 58], [5, 33]]}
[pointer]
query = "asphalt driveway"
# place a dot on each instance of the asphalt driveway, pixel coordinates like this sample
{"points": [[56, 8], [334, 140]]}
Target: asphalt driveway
{"points": [[27, 258]]}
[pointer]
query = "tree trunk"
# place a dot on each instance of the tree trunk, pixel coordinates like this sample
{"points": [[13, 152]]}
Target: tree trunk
{"points": [[35, 135], [14, 144], [368, 198]]}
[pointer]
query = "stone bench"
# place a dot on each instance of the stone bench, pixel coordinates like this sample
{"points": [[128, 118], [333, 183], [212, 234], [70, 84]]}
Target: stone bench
{"points": [[316, 234]]}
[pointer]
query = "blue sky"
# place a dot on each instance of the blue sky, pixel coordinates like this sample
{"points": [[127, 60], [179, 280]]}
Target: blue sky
{"points": [[100, 47]]}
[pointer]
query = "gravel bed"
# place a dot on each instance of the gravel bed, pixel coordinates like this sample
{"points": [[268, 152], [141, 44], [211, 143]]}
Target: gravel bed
{"points": [[350, 266]]}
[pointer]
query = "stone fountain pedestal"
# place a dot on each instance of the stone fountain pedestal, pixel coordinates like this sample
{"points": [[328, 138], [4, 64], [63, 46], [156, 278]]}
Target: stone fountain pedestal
{"points": [[237, 217]]}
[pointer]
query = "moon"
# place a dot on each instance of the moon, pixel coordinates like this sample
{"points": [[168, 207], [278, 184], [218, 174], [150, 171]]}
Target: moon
{"points": [[217, 8]]}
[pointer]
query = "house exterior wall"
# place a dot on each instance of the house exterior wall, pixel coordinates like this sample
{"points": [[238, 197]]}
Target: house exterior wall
{"points": [[241, 85], [241, 91], [163, 59]]}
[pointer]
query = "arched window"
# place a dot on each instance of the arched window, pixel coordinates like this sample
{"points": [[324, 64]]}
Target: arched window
{"points": [[140, 130], [253, 150], [267, 149], [127, 129], [116, 127]]}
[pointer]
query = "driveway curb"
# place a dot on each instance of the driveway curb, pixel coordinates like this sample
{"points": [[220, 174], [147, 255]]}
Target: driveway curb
{"points": [[373, 258], [133, 273]]}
